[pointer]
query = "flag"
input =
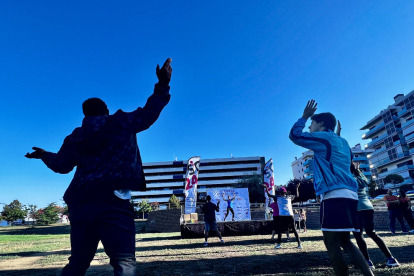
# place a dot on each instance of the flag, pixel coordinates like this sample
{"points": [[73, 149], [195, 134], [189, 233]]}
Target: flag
{"points": [[191, 180], [269, 182]]}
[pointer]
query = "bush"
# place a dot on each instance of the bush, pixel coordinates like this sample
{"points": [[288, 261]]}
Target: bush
{"points": [[174, 202]]}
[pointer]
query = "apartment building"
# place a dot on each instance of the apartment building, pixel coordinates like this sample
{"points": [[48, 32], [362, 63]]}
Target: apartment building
{"points": [[392, 140], [302, 167], [167, 178]]}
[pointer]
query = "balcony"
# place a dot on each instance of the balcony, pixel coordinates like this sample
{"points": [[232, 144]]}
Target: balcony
{"points": [[404, 168], [378, 151], [367, 173], [407, 124], [307, 162], [308, 169], [364, 166], [402, 111], [374, 130], [409, 137], [411, 151], [377, 140], [387, 160], [360, 159]]}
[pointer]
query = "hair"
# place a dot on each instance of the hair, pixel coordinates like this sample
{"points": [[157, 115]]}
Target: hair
{"points": [[94, 107], [327, 118], [403, 194], [208, 198]]}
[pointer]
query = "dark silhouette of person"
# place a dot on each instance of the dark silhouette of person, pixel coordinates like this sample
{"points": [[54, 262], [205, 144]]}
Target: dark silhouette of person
{"points": [[108, 164]]}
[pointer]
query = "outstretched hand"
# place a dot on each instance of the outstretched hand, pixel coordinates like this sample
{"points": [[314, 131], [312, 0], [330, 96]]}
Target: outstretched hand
{"points": [[338, 128], [164, 74], [37, 154], [309, 109]]}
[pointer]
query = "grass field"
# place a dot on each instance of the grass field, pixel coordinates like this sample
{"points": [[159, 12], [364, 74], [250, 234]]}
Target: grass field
{"points": [[44, 251]]}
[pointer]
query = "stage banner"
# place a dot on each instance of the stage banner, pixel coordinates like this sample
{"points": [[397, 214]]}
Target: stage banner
{"points": [[270, 185], [241, 203], [191, 180]]}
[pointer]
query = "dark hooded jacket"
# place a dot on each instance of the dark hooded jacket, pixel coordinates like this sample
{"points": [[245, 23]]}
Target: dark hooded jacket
{"points": [[105, 152]]}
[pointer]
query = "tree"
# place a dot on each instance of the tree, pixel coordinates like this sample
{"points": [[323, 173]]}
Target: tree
{"points": [[174, 202], [144, 207], [14, 211], [406, 187], [394, 179], [50, 214], [380, 192], [372, 187], [33, 212], [306, 189], [254, 183]]}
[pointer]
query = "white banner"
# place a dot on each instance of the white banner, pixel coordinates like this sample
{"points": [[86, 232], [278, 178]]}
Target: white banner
{"points": [[241, 203], [269, 181], [190, 185]]}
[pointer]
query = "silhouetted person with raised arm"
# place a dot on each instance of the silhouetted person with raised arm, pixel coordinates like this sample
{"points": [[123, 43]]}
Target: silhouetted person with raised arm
{"points": [[108, 164]]}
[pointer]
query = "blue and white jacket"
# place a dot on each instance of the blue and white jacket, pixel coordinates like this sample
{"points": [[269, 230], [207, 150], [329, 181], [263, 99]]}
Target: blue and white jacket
{"points": [[331, 159]]}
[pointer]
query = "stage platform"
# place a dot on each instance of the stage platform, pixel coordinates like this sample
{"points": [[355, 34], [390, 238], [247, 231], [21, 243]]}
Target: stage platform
{"points": [[229, 228]]}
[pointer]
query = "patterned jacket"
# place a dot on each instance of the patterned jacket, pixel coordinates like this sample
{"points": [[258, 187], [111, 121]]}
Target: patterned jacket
{"points": [[105, 152]]}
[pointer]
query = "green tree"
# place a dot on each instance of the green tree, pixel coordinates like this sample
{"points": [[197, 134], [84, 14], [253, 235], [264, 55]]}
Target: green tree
{"points": [[306, 189], [254, 183], [406, 187], [372, 187], [174, 202], [144, 207], [49, 215], [14, 211], [33, 213], [394, 179]]}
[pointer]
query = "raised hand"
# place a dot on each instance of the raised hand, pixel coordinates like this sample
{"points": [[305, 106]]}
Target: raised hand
{"points": [[338, 128], [164, 74], [37, 154], [309, 109]]}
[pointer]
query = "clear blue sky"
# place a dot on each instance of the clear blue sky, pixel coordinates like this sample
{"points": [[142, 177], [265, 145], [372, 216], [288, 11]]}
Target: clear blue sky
{"points": [[243, 71]]}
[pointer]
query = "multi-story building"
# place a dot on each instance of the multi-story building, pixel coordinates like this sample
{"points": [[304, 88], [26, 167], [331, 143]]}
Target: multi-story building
{"points": [[302, 167], [167, 178], [392, 139]]}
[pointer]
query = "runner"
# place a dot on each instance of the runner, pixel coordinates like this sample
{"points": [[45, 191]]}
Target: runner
{"points": [[209, 210], [334, 185], [283, 215], [366, 221], [229, 205], [405, 204]]}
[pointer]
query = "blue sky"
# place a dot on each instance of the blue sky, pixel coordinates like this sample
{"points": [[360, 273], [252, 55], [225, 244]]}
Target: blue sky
{"points": [[243, 71]]}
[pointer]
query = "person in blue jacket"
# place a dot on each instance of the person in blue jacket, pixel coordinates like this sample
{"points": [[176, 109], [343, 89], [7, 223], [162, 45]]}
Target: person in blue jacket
{"points": [[334, 184], [108, 164]]}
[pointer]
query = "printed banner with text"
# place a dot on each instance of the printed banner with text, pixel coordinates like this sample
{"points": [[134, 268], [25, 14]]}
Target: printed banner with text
{"points": [[191, 180], [270, 184]]}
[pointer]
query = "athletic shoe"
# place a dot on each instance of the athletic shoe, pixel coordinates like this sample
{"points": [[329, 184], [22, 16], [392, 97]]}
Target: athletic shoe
{"points": [[370, 264], [300, 246], [412, 231], [278, 246], [205, 244], [222, 241], [289, 240], [392, 262]]}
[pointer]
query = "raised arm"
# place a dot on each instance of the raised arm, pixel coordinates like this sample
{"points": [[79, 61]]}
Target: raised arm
{"points": [[338, 129], [61, 162], [234, 197], [142, 118], [222, 195]]}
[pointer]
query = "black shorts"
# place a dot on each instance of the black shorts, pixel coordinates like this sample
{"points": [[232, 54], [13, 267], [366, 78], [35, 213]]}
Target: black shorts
{"points": [[366, 220], [281, 224], [339, 215]]}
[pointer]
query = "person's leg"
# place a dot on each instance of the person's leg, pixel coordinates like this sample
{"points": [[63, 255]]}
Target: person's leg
{"points": [[392, 216], [273, 235], [232, 212], [279, 238], [206, 230], [84, 242], [408, 215], [361, 244], [227, 213], [117, 233], [399, 216], [355, 254], [368, 224]]}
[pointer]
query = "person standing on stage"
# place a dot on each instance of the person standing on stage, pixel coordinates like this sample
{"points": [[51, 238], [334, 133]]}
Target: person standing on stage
{"points": [[209, 210], [283, 214], [405, 205], [229, 205], [108, 164], [334, 185]]}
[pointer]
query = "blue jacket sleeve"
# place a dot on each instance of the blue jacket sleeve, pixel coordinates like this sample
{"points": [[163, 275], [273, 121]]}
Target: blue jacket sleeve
{"points": [[62, 162], [142, 118], [312, 141]]}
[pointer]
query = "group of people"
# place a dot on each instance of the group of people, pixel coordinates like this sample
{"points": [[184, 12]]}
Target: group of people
{"points": [[108, 164], [399, 208]]}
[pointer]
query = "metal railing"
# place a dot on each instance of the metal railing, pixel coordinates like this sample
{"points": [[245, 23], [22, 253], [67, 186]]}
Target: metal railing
{"points": [[408, 123], [400, 169], [381, 125], [377, 140]]}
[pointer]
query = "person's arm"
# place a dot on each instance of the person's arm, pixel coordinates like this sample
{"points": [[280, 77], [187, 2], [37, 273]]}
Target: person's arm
{"points": [[234, 197], [338, 129], [61, 162], [222, 195], [312, 141], [142, 118], [391, 201]]}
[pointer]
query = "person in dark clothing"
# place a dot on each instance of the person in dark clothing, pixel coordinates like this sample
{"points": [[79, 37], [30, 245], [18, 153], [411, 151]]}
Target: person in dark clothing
{"points": [[209, 210], [394, 211], [405, 204], [108, 164]]}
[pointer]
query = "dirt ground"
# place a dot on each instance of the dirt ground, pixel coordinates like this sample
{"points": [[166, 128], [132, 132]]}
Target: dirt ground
{"points": [[44, 251]]}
